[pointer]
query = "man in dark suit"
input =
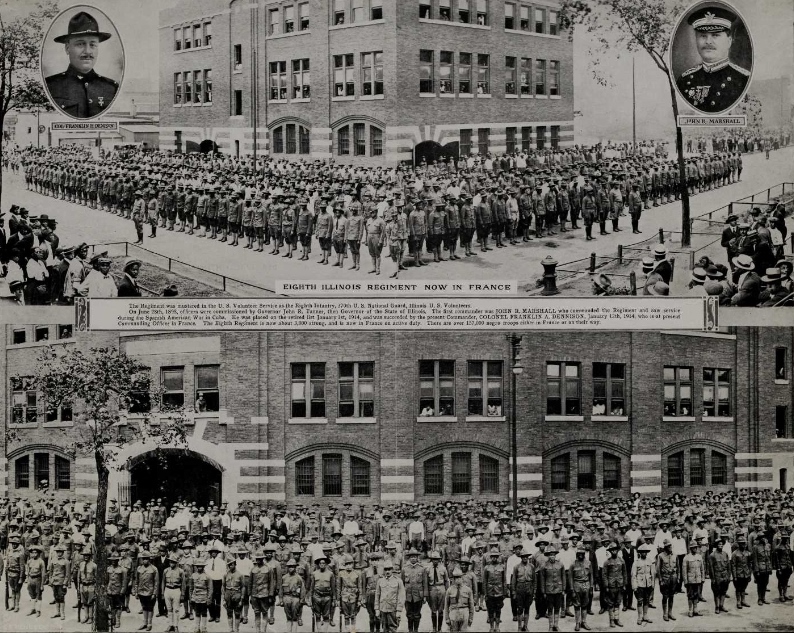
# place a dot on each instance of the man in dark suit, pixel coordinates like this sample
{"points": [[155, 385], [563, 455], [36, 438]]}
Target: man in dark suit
{"points": [[128, 286], [79, 91], [748, 283], [730, 237]]}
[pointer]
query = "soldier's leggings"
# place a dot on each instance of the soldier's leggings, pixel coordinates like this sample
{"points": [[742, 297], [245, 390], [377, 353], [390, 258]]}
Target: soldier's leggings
{"points": [[494, 606]]}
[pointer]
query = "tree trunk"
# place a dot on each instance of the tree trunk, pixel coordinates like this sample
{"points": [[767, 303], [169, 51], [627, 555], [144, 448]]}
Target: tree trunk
{"points": [[102, 605], [686, 238], [2, 120]]}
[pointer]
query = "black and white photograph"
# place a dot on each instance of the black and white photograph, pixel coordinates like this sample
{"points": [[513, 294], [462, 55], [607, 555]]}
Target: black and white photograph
{"points": [[82, 62]]}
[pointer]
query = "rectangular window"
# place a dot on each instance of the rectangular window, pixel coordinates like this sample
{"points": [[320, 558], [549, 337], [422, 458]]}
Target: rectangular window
{"points": [[426, 72], [523, 18], [540, 20], [238, 56], [436, 387], [781, 363], [464, 11], [444, 10], [186, 41], [289, 19], [359, 139], [483, 138], [611, 472], [561, 472], [464, 73], [63, 473], [675, 470], [197, 88], [554, 78], [489, 475], [553, 22], [540, 140], [482, 12], [372, 73], [677, 391], [697, 467], [172, 380], [41, 470], [340, 7], [207, 387], [510, 75], [356, 390], [359, 477], [376, 10], [483, 74], [425, 9], [434, 476], [555, 137], [510, 145], [140, 397], [301, 79], [719, 469], [526, 138], [207, 33], [586, 470], [308, 390], [65, 331], [177, 88], [465, 142], [62, 413], [445, 72], [510, 16], [485, 387], [41, 334], [461, 473], [782, 428], [303, 16], [304, 140], [291, 139], [304, 476], [357, 11], [274, 23], [177, 39], [609, 389], [564, 386], [197, 36], [375, 141], [238, 103], [344, 82], [343, 140], [22, 472], [19, 336], [716, 392], [278, 81], [24, 401], [540, 76], [332, 475], [207, 86]]}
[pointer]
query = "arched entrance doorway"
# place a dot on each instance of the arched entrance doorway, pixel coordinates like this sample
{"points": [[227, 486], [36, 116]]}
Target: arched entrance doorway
{"points": [[208, 147], [173, 474], [430, 151]]}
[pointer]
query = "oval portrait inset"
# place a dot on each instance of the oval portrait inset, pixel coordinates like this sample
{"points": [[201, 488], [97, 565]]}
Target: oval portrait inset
{"points": [[82, 62], [711, 57]]}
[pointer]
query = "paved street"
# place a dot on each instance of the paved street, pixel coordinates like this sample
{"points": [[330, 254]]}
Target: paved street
{"points": [[522, 263]]}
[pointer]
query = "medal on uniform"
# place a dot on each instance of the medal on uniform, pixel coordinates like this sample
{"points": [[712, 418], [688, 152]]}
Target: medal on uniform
{"points": [[101, 101], [698, 94]]}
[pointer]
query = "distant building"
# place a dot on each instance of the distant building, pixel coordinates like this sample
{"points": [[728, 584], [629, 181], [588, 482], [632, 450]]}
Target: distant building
{"points": [[365, 81]]}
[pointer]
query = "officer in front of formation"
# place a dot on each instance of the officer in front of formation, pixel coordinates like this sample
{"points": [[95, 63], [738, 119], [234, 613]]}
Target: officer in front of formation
{"points": [[79, 91], [716, 84]]}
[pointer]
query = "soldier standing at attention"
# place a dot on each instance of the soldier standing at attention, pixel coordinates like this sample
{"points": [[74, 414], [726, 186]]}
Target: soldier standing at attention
{"points": [[580, 585], [667, 571], [493, 581], [643, 574], [58, 574], [117, 586], [552, 586], [374, 236], [438, 582], [292, 594], [349, 591], [389, 595], [322, 592], [522, 588], [234, 595], [415, 581], [458, 604]]}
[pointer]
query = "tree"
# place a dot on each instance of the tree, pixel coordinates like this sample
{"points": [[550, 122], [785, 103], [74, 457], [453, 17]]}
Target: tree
{"points": [[20, 43], [103, 386], [634, 25]]}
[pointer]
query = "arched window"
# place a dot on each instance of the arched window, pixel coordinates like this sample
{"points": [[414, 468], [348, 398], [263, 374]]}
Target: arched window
{"points": [[434, 475], [675, 469], [42, 470], [360, 138], [278, 140], [304, 476], [489, 475], [359, 477], [611, 472], [291, 138], [719, 469], [561, 472]]}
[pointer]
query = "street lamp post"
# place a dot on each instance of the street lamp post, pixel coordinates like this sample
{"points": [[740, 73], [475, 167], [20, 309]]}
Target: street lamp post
{"points": [[516, 370]]}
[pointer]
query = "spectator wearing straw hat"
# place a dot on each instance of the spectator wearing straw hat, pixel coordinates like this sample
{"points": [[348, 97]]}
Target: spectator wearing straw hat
{"points": [[748, 283], [128, 287]]}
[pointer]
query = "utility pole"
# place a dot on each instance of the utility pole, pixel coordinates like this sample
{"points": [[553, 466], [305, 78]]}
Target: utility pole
{"points": [[633, 107]]}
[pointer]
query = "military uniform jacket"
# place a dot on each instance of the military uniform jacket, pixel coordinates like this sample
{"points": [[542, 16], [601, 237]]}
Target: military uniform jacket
{"points": [[349, 585], [81, 95], [117, 580], [762, 559], [292, 585], [552, 577], [719, 566], [459, 597], [493, 580], [524, 577], [692, 571], [415, 580], [713, 87]]}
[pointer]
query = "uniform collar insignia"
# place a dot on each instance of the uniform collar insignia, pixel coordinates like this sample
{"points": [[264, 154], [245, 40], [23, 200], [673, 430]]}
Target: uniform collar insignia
{"points": [[710, 68], [73, 72]]}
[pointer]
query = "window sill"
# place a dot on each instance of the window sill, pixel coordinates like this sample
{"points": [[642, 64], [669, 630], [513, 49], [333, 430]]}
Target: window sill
{"points": [[564, 418], [25, 425], [278, 100], [678, 418], [372, 97], [302, 100], [436, 418], [555, 96], [427, 95], [356, 420], [307, 421], [481, 27], [237, 72], [465, 95], [447, 95], [541, 96], [350, 98], [281, 36], [57, 425], [339, 27], [193, 48], [781, 381], [61, 341], [207, 103], [609, 418], [485, 418], [783, 439], [717, 418], [509, 96], [527, 96], [237, 117], [522, 32], [488, 96]]}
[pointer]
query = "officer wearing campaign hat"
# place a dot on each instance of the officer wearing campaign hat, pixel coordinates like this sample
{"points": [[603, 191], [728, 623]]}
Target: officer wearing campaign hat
{"points": [[716, 83]]}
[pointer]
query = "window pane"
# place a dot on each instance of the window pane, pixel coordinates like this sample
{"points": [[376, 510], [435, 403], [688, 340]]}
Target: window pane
{"points": [[446, 368], [489, 475], [173, 379], [611, 472], [359, 477], [434, 475], [675, 470], [586, 474], [207, 377], [461, 473], [332, 475], [63, 479], [560, 470], [304, 476]]}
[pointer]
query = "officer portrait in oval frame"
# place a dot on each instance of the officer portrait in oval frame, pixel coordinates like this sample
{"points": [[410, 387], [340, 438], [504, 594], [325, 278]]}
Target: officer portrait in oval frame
{"points": [[711, 57], [82, 62]]}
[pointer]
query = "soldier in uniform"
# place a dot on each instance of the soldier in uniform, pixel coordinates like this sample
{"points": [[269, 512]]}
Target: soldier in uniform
{"points": [[580, 586], [692, 575], [172, 589], [643, 575], [235, 593], [494, 589], [552, 583], [389, 596], [438, 582], [667, 571], [522, 588], [370, 584], [349, 591], [58, 573], [15, 570], [292, 593], [322, 593], [458, 604], [118, 582], [719, 570], [716, 83], [415, 581]]}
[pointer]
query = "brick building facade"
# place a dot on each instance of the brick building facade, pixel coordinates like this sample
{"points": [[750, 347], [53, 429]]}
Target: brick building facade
{"points": [[364, 81], [370, 417]]}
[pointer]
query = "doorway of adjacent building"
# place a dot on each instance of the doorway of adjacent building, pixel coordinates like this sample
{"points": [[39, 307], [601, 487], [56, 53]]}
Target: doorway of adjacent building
{"points": [[784, 479], [208, 146], [430, 151], [173, 475]]}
